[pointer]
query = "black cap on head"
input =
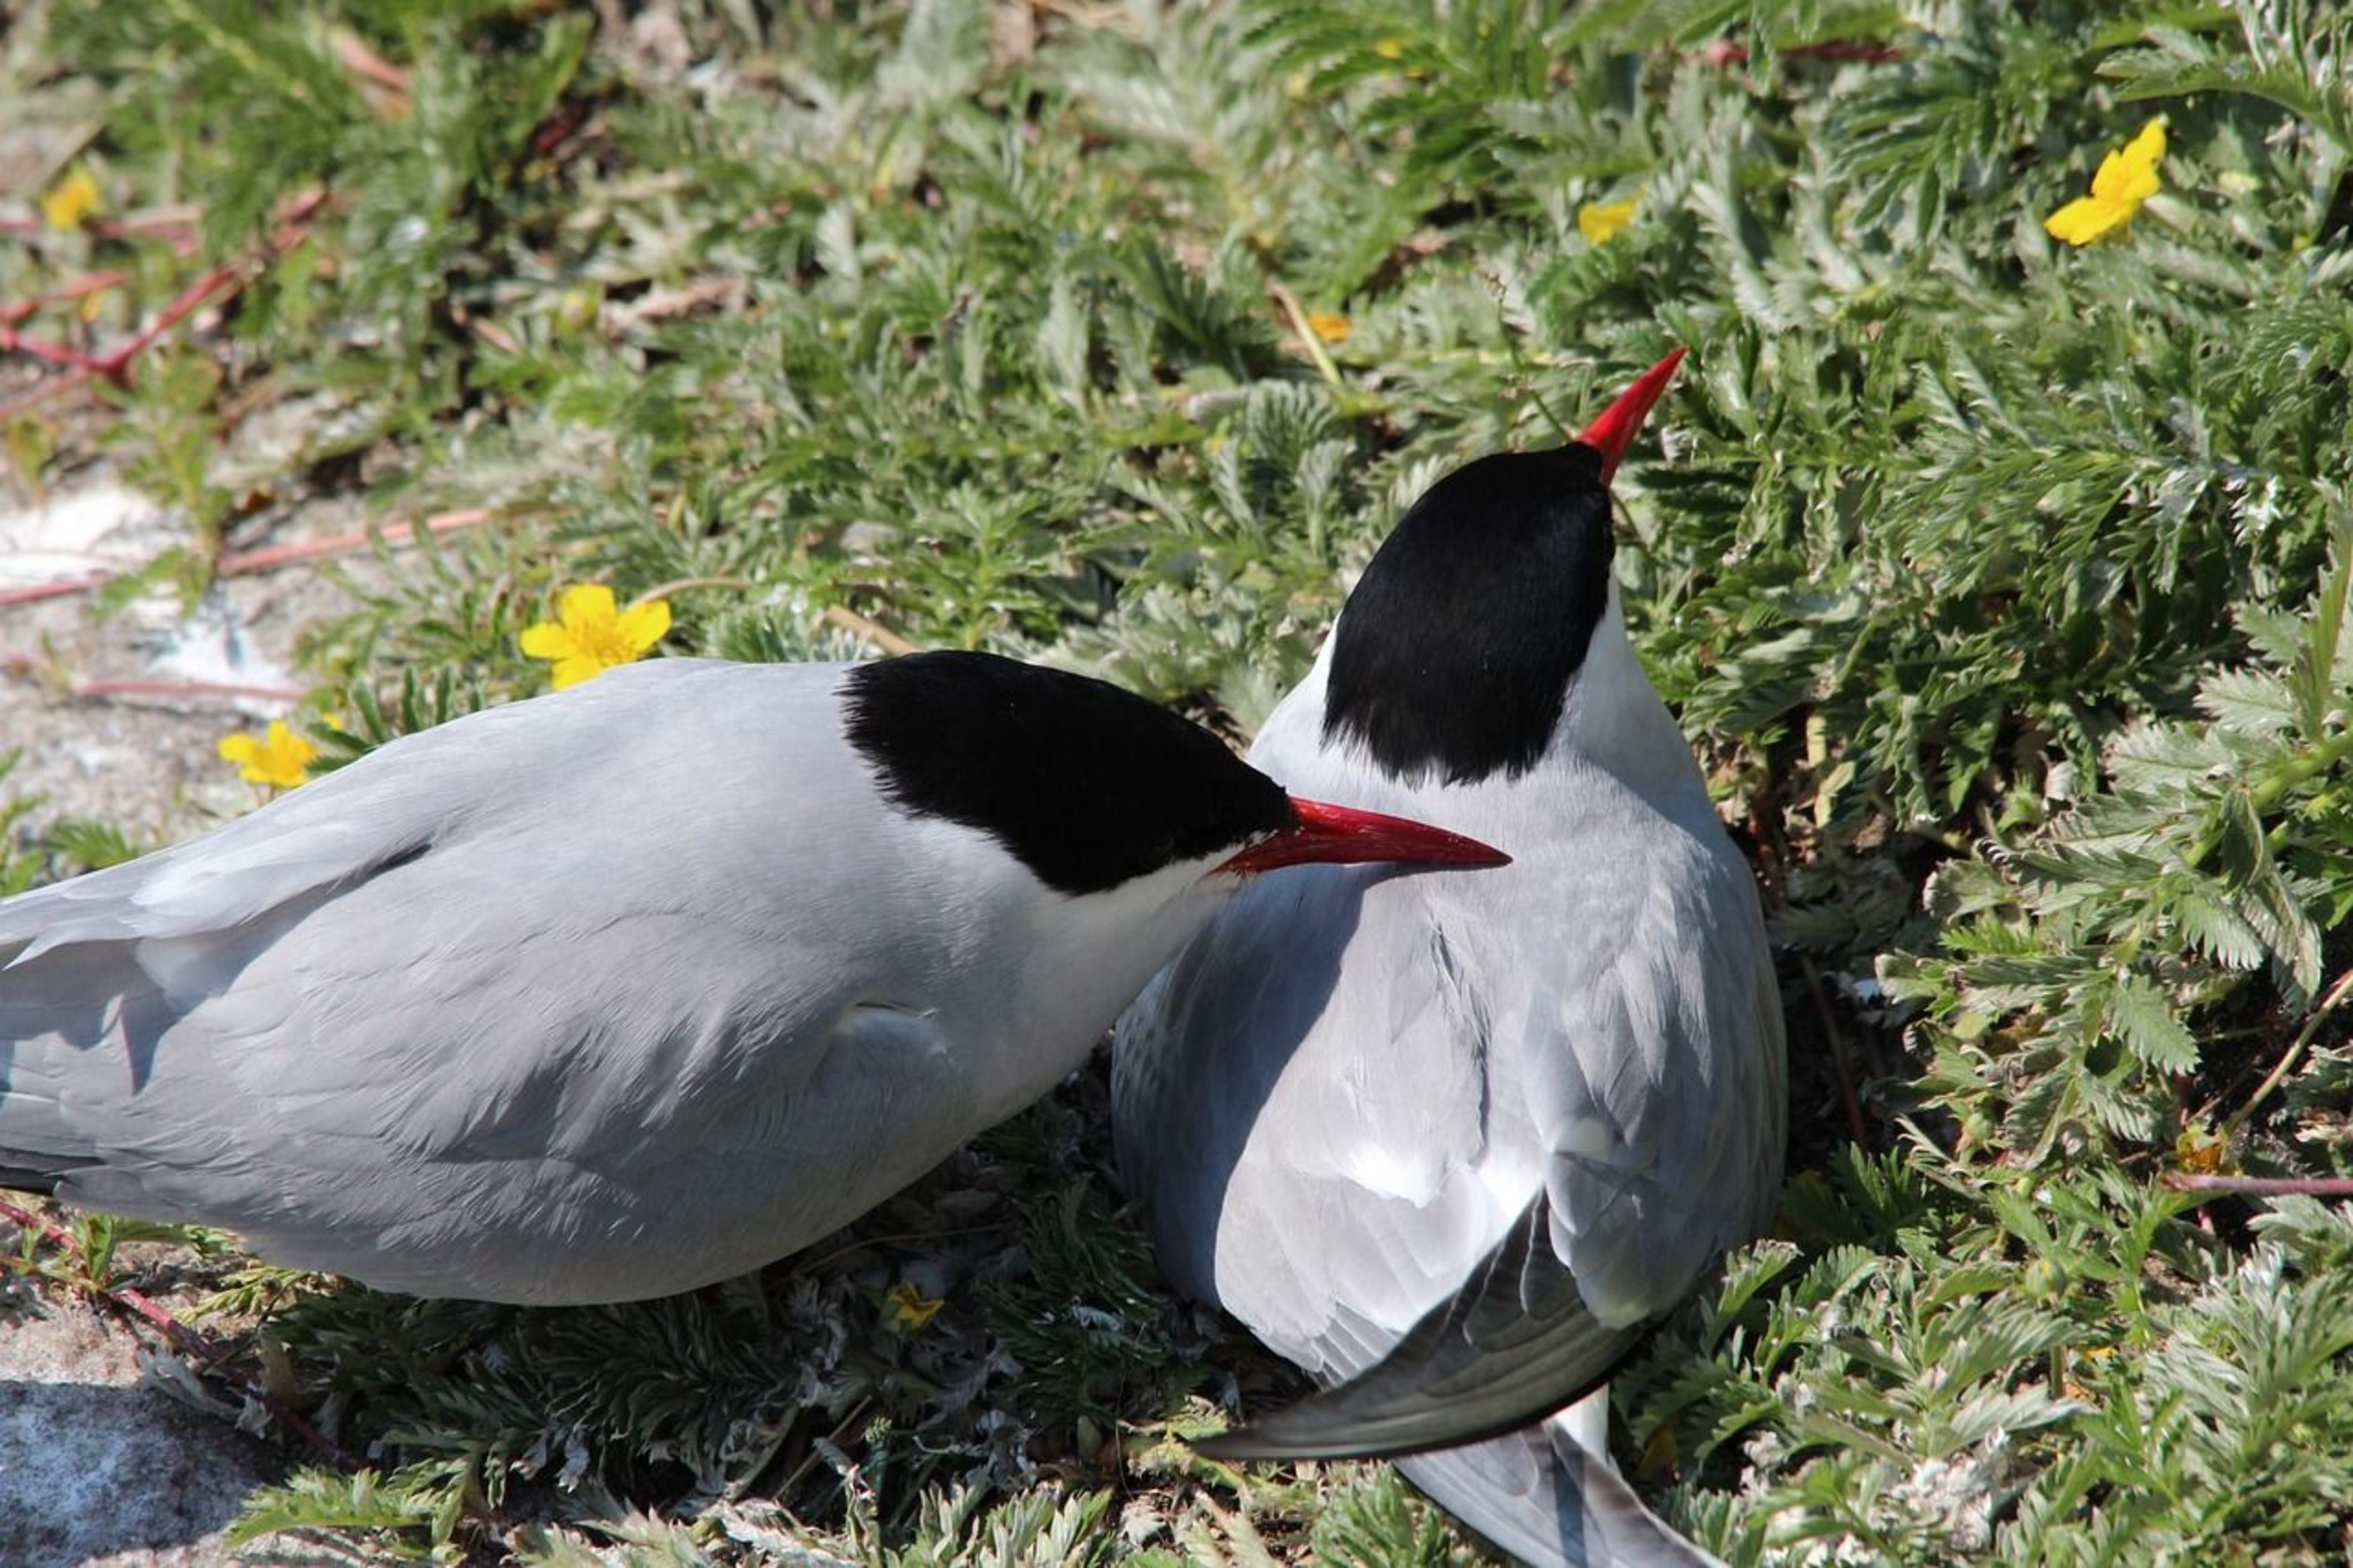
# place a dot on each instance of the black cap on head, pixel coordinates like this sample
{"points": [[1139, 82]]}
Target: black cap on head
{"points": [[1454, 657], [1086, 784]]}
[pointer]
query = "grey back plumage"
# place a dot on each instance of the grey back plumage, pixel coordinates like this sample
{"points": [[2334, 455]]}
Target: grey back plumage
{"points": [[606, 994], [1344, 1092]]}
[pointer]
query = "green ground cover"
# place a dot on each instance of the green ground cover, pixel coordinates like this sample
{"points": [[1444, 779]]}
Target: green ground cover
{"points": [[2001, 582]]}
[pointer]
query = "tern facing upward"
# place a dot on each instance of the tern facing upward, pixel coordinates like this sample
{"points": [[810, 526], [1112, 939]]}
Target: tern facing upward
{"points": [[636, 987], [1453, 1146]]}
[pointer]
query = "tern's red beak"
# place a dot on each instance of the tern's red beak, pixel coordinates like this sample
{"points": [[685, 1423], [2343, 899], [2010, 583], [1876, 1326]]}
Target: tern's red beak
{"points": [[1619, 423], [1343, 835]]}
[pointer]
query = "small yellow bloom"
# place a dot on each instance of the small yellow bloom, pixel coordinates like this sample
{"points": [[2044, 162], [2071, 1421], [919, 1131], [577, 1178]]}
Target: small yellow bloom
{"points": [[70, 200], [1602, 222], [1390, 49], [2127, 177], [907, 1309], [590, 635], [1330, 325], [277, 758], [2199, 1152]]}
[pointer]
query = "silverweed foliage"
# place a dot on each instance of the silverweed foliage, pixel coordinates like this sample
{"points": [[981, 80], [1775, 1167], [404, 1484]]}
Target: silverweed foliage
{"points": [[2002, 584]]}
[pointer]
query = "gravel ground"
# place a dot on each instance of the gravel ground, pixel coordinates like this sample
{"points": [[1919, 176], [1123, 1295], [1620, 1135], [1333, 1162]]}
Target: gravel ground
{"points": [[99, 1462]]}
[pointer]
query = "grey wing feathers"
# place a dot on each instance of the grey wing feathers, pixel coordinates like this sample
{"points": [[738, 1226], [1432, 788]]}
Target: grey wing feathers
{"points": [[259, 1025], [1658, 1097], [1512, 1345], [334, 830], [239, 877], [353, 823], [1548, 1501]]}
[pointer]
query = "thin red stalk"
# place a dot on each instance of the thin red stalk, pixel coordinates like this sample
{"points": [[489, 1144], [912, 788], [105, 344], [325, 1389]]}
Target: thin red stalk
{"points": [[13, 341], [1840, 1059], [2262, 1186], [1724, 52], [114, 364], [161, 220], [246, 563], [123, 1297], [99, 690], [243, 563], [90, 284], [34, 593], [293, 218]]}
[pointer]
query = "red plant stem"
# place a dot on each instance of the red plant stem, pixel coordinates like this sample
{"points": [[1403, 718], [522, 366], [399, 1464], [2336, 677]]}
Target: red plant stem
{"points": [[16, 661], [88, 689], [13, 341], [1725, 53], [1840, 1058], [245, 563], [115, 365], [293, 222], [2262, 1186], [158, 220], [123, 1297], [34, 593], [92, 283]]}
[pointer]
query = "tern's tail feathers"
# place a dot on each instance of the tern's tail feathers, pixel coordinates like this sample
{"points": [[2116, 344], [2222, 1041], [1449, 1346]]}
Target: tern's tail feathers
{"points": [[1541, 1495], [1514, 1345]]}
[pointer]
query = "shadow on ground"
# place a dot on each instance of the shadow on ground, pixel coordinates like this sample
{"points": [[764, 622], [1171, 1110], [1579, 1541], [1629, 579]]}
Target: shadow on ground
{"points": [[97, 1468]]}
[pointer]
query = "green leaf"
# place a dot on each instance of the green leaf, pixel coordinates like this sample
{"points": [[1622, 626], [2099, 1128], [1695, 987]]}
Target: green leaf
{"points": [[2144, 1019]]}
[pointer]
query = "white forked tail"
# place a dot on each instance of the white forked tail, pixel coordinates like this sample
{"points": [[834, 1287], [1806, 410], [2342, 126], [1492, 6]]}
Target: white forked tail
{"points": [[1550, 1501]]}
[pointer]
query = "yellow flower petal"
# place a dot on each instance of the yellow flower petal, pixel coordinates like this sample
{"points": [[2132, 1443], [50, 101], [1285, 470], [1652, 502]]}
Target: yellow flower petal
{"points": [[2146, 150], [1602, 222], [907, 1308], [70, 200], [281, 758], [1330, 325], [2085, 219], [572, 671], [2126, 178], [590, 635], [642, 626], [1390, 49], [2121, 179], [585, 604]]}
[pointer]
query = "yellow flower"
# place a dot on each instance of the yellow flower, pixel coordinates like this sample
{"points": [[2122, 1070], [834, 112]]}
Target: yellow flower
{"points": [[277, 759], [1602, 222], [2127, 177], [1390, 49], [70, 200], [2199, 1151], [907, 1309], [589, 636], [1330, 325]]}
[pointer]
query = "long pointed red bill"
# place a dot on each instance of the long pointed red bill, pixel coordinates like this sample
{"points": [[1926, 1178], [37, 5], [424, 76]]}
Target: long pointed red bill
{"points": [[1619, 423], [1343, 835]]}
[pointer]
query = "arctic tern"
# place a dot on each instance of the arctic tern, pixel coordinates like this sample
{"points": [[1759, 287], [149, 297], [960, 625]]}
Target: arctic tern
{"points": [[628, 988], [1455, 1145]]}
